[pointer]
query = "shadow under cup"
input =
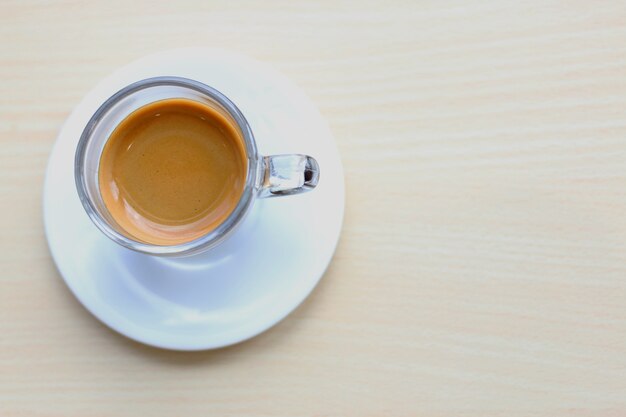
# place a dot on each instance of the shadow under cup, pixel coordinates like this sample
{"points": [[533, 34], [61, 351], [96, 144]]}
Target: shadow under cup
{"points": [[267, 176]]}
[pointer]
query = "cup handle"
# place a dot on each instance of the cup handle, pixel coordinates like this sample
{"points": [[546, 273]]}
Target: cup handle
{"points": [[288, 174]]}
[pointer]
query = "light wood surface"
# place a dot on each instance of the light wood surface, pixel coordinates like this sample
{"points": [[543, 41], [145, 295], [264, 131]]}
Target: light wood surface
{"points": [[482, 265]]}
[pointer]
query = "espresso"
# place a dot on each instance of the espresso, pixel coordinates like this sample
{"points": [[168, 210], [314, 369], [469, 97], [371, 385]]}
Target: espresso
{"points": [[172, 171]]}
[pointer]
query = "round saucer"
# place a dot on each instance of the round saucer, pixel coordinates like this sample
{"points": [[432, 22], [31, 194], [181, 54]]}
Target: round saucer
{"points": [[248, 283]]}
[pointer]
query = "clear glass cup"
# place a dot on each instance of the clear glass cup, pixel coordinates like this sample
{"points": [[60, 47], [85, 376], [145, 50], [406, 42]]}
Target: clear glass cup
{"points": [[268, 176]]}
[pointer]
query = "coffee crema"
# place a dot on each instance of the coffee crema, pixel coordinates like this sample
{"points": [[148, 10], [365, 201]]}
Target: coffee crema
{"points": [[172, 171]]}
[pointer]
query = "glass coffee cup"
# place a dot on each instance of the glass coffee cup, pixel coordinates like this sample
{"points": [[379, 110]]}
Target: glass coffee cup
{"points": [[266, 176]]}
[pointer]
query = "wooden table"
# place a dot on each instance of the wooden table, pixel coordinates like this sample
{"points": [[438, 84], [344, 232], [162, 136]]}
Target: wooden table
{"points": [[482, 265]]}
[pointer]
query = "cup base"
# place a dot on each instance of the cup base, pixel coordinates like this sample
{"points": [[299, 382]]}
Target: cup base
{"points": [[245, 285]]}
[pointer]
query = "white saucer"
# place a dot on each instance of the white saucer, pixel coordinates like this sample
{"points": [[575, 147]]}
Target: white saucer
{"points": [[247, 284]]}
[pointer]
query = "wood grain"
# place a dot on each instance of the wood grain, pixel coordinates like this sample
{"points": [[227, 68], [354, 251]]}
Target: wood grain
{"points": [[482, 265]]}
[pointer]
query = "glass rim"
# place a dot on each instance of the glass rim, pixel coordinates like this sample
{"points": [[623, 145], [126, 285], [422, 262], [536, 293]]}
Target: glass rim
{"points": [[205, 241]]}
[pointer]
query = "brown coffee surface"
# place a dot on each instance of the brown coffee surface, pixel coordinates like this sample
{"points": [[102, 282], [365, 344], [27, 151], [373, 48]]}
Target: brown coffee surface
{"points": [[172, 171]]}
